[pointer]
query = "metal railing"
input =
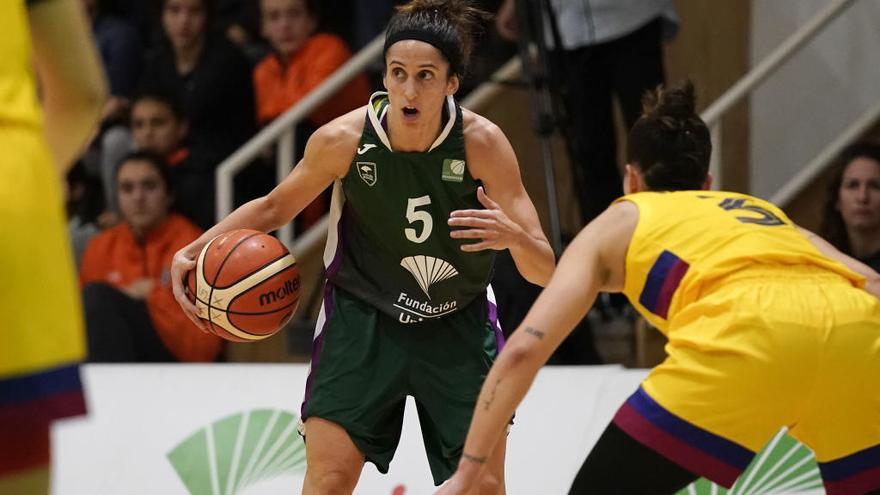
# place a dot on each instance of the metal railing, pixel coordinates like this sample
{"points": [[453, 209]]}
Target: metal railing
{"points": [[281, 132], [787, 49], [817, 165]]}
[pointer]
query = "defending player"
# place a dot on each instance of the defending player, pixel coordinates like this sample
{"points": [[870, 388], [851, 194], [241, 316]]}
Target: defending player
{"points": [[768, 326], [41, 339], [407, 308]]}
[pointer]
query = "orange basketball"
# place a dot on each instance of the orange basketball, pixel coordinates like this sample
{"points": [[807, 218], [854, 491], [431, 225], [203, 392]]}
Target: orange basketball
{"points": [[246, 285]]}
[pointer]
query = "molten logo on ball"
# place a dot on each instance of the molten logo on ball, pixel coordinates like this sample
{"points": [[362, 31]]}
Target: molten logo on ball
{"points": [[290, 288]]}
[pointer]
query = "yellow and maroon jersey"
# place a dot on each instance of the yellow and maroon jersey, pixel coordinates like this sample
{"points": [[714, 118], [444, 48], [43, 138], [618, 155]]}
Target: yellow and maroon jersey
{"points": [[41, 338], [687, 241]]}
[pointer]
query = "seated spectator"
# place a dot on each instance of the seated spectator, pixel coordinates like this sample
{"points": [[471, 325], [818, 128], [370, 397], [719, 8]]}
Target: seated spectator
{"points": [[130, 311], [205, 72], [301, 60], [851, 218], [158, 124]]}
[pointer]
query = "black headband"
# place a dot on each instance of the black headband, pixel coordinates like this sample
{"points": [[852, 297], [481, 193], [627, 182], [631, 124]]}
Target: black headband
{"points": [[447, 48]]}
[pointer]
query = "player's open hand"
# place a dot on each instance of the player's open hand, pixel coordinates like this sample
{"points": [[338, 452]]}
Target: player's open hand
{"points": [[492, 226], [184, 261]]}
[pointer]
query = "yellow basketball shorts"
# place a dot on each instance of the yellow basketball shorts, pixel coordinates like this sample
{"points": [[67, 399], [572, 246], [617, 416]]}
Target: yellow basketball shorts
{"points": [[41, 337], [795, 347]]}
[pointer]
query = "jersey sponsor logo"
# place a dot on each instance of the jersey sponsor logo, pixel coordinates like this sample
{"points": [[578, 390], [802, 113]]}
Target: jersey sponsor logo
{"points": [[368, 172], [414, 310], [453, 170], [428, 270], [365, 148]]}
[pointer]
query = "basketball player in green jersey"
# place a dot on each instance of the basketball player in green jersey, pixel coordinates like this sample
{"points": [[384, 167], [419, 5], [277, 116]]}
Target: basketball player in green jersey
{"points": [[424, 193]]}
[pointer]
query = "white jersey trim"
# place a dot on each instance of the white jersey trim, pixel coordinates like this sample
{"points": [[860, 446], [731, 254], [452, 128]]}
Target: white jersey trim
{"points": [[376, 121]]}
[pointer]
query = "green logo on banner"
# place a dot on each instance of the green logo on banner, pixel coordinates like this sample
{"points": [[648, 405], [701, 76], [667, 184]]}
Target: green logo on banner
{"points": [[234, 452], [784, 466], [453, 170]]}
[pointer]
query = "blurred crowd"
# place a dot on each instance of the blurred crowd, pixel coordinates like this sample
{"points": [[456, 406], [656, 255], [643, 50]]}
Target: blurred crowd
{"points": [[192, 80]]}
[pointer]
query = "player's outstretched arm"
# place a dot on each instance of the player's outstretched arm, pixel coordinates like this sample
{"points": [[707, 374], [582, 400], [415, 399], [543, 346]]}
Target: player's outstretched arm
{"points": [[872, 278], [327, 156], [593, 262], [70, 77], [509, 219]]}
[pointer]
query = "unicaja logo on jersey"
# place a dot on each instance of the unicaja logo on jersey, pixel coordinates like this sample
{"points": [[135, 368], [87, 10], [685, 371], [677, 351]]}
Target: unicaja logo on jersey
{"points": [[367, 171], [428, 270], [453, 170]]}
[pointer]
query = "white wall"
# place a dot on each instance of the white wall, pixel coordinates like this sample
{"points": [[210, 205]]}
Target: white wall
{"points": [[812, 98]]}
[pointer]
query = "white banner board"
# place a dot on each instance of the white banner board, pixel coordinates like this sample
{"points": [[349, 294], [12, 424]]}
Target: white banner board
{"points": [[231, 429]]}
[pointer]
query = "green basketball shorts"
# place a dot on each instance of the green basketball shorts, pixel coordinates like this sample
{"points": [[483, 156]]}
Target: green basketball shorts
{"points": [[365, 363]]}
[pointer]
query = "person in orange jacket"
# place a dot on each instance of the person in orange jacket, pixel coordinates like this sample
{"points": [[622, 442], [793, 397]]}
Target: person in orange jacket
{"points": [[130, 310], [301, 59]]}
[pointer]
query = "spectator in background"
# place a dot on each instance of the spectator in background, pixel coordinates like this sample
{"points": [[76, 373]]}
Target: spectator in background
{"points": [[130, 311], [159, 125], [610, 48], [301, 59], [206, 73], [851, 217]]}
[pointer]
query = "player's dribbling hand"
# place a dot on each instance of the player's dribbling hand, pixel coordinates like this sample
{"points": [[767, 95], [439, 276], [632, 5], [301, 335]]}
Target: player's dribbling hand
{"points": [[495, 229], [181, 264]]}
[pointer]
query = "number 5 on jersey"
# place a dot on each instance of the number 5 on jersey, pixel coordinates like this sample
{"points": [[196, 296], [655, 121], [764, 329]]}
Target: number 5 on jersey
{"points": [[413, 215]]}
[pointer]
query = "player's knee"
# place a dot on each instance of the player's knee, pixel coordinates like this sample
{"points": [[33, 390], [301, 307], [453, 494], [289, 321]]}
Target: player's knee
{"points": [[332, 481]]}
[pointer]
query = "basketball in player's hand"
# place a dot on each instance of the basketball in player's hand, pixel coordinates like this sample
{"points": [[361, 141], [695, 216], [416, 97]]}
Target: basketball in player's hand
{"points": [[245, 284]]}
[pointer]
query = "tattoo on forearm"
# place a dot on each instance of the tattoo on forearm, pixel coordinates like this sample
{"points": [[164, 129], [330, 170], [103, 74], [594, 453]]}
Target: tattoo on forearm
{"points": [[534, 331], [491, 399], [473, 458]]}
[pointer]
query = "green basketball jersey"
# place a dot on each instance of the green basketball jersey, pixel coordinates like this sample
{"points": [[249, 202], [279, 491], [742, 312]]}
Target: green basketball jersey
{"points": [[389, 242]]}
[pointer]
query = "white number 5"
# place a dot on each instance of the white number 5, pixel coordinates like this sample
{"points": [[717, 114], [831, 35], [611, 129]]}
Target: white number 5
{"points": [[418, 216]]}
